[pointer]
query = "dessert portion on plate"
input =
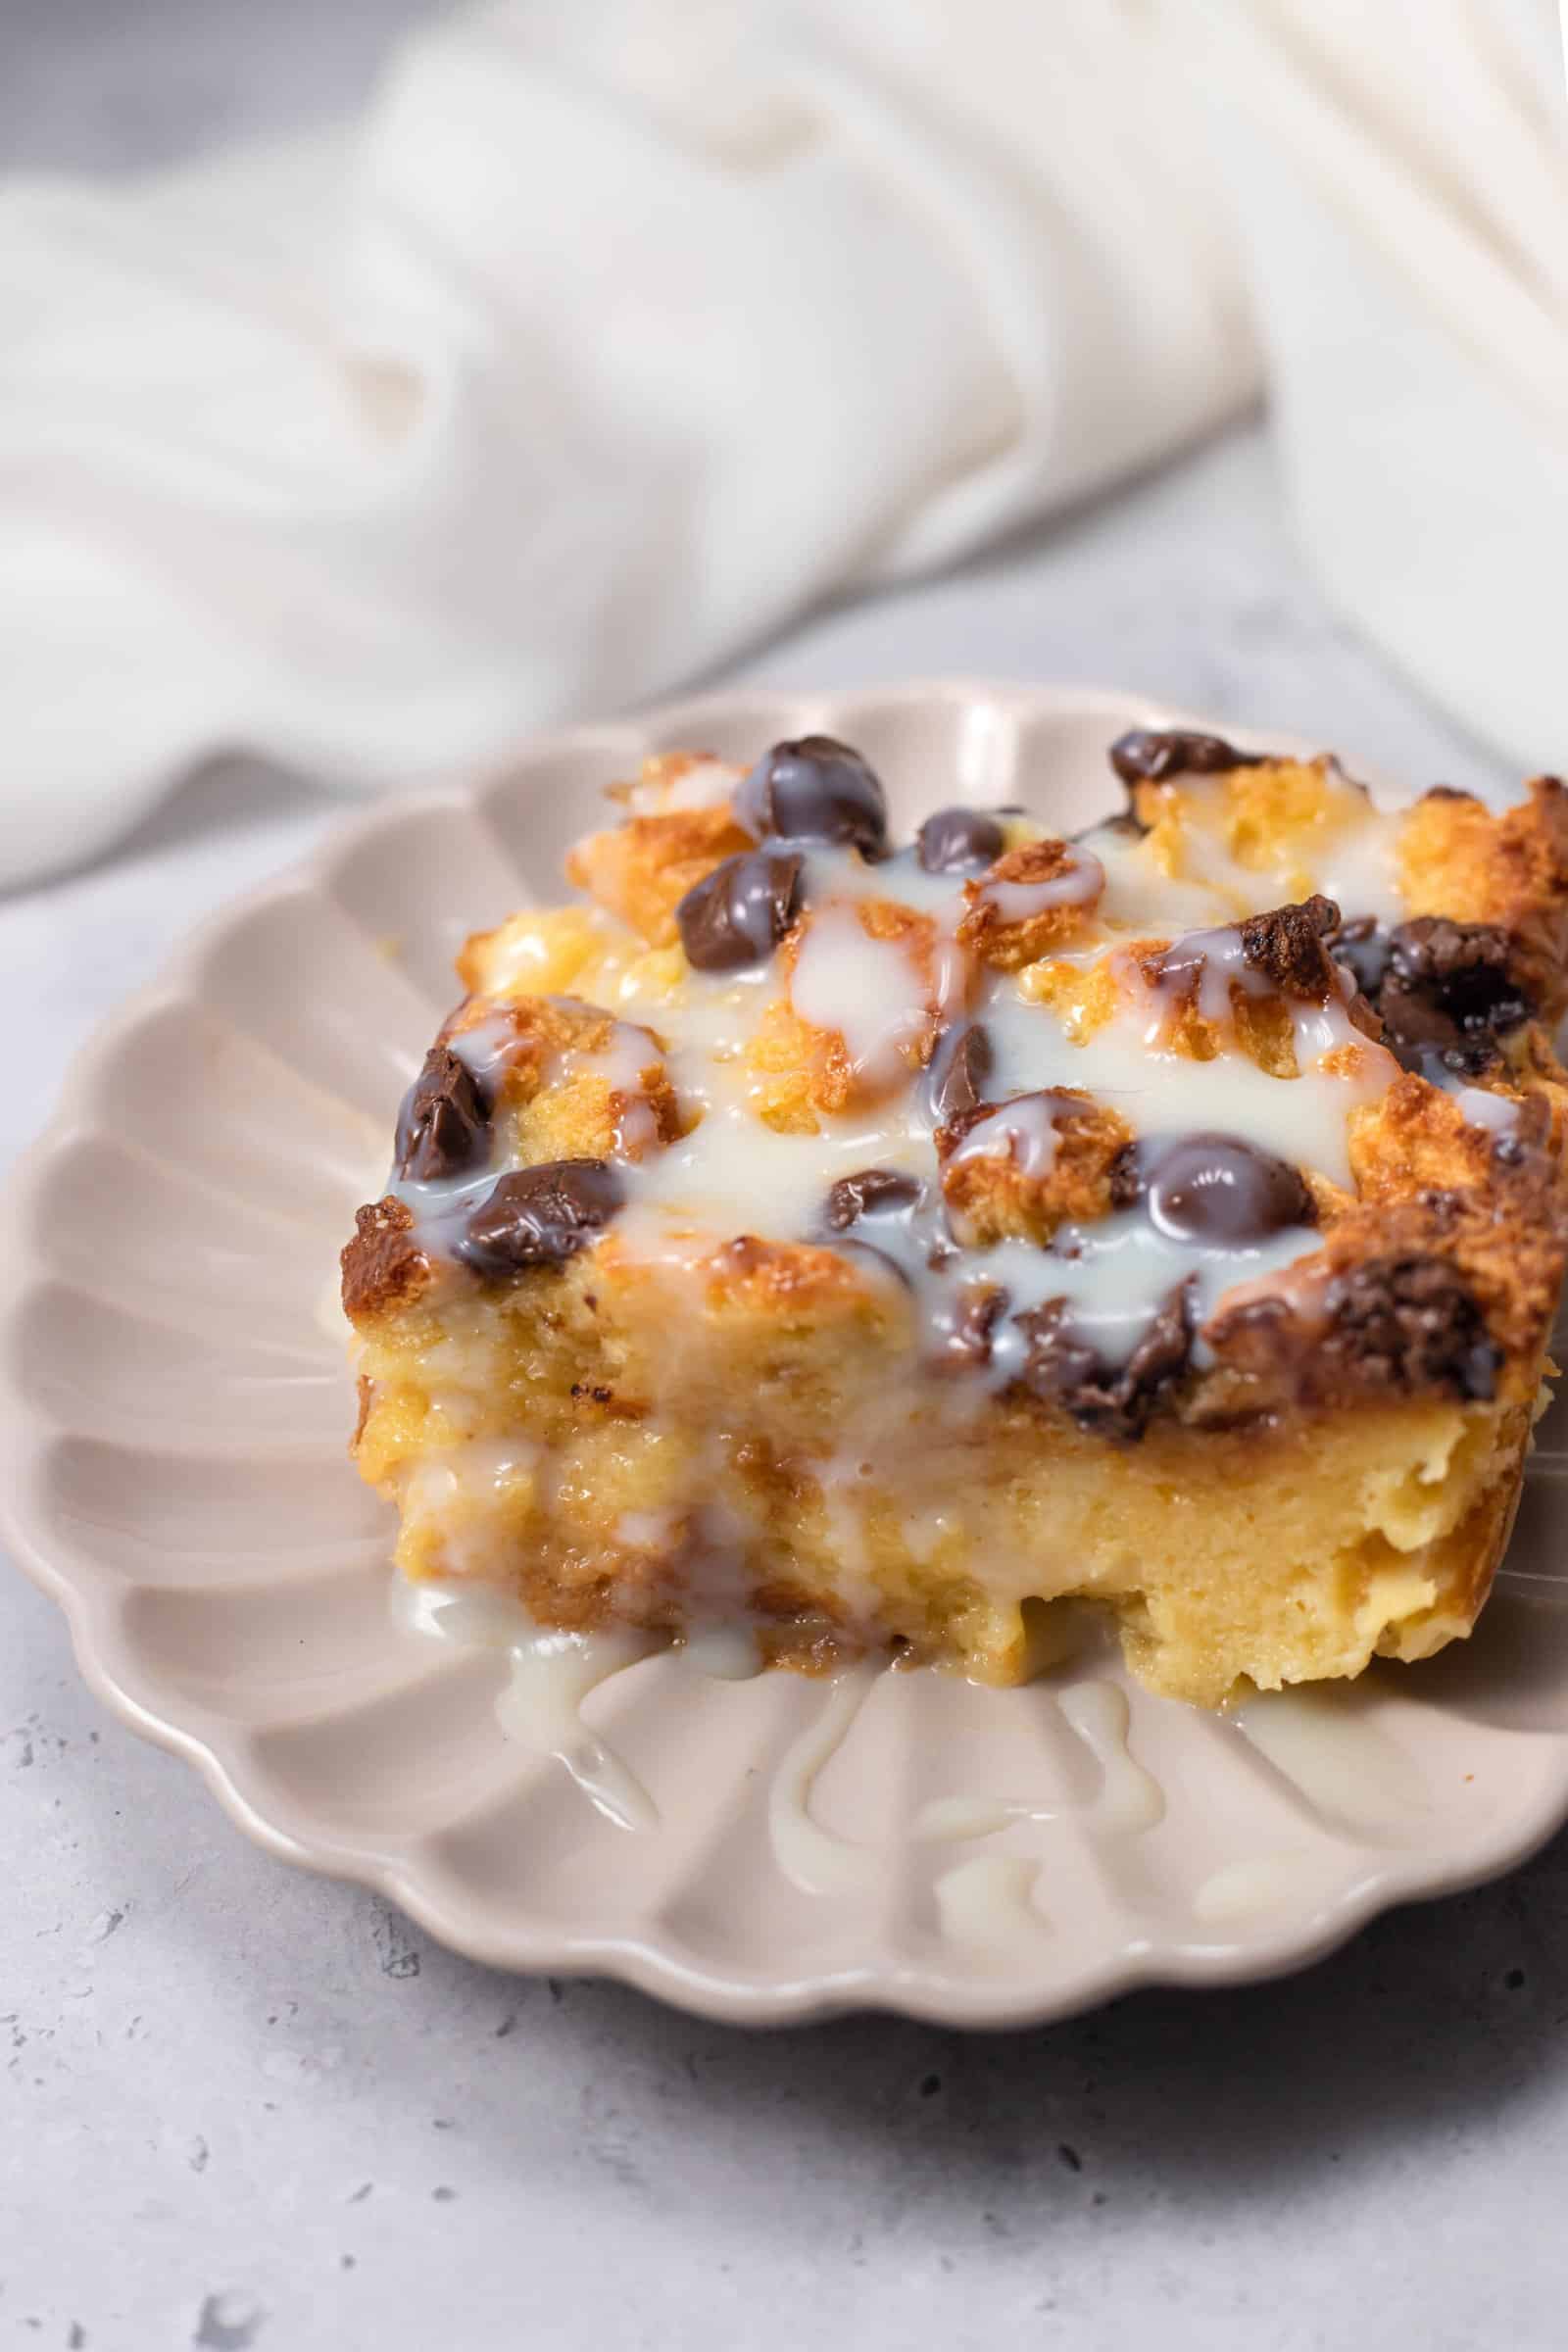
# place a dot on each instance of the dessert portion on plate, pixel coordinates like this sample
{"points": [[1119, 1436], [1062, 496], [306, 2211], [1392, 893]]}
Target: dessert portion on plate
{"points": [[888, 1245]]}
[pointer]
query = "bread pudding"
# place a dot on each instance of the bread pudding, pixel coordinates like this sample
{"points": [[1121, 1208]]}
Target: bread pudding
{"points": [[901, 1247]]}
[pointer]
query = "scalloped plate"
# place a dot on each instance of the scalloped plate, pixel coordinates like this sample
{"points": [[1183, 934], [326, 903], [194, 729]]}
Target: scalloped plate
{"points": [[174, 1472]]}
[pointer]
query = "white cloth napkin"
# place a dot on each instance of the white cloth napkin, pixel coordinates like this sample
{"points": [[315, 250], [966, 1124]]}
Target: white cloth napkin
{"points": [[620, 330]]}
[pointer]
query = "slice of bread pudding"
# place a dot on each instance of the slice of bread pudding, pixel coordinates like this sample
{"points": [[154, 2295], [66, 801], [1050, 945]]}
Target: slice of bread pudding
{"points": [[881, 1246]]}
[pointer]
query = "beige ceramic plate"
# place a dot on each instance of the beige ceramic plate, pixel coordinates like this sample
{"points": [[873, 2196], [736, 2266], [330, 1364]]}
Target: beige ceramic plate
{"points": [[173, 1468]]}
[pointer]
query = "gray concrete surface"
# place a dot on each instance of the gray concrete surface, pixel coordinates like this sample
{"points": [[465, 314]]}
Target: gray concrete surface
{"points": [[249, 2111]]}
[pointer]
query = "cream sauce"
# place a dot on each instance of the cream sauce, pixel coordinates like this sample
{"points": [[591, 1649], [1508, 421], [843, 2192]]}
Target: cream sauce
{"points": [[815, 1859], [985, 1905]]}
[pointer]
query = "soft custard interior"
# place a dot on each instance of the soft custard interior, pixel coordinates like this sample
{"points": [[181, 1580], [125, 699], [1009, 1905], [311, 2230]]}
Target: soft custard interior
{"points": [[658, 1460], [700, 1417]]}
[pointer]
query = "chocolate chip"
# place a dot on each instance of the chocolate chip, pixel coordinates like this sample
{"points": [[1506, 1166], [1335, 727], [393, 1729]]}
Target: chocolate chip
{"points": [[958, 841], [966, 1342], [1115, 1402], [1150, 754], [1286, 944], [1446, 979], [444, 1125], [1468, 1059], [1410, 1324], [1176, 970], [1217, 1190], [541, 1217], [738, 913], [870, 1193], [1445, 991], [1048, 1102], [956, 1074], [1362, 945], [815, 789]]}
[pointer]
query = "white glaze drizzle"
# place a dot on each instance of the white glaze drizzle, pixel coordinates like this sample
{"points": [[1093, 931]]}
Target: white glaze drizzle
{"points": [[1023, 1132], [1080, 881], [1495, 1113], [1128, 1064], [814, 1858], [540, 1708], [724, 1652], [1246, 1889], [550, 1675], [1138, 897], [732, 1173], [869, 990], [1130, 1799], [951, 1820], [985, 1905], [1355, 855]]}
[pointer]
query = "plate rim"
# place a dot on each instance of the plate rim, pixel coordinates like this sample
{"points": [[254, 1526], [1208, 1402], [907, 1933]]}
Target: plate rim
{"points": [[178, 1725]]}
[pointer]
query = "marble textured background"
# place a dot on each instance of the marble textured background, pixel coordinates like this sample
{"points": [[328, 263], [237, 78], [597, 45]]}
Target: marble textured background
{"points": [[249, 2109]]}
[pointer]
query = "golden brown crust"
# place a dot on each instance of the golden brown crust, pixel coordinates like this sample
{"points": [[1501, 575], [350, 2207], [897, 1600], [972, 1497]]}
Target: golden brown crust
{"points": [[1270, 813], [809, 1069], [777, 1280], [994, 1194], [1461, 859], [641, 869], [1417, 1139], [997, 934], [555, 1102]]}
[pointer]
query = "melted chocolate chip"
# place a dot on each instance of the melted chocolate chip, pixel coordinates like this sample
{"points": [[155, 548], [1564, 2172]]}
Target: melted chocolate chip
{"points": [[960, 840], [1176, 970], [1149, 755], [1445, 980], [966, 1342], [738, 913], [1286, 944], [869, 1192], [815, 789], [1467, 1059], [1362, 945], [1445, 991], [1055, 1103], [1410, 1324], [444, 1125], [541, 1217], [956, 1077], [1217, 1190], [1111, 1401]]}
